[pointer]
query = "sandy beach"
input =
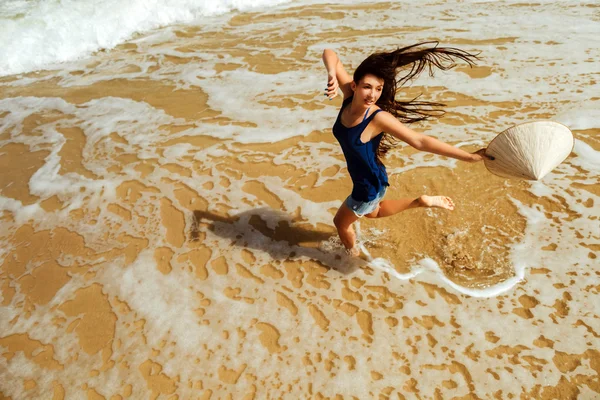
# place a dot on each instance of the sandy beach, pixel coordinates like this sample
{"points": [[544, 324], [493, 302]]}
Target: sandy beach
{"points": [[166, 213]]}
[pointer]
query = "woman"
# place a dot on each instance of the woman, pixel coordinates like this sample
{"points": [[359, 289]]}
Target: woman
{"points": [[368, 124]]}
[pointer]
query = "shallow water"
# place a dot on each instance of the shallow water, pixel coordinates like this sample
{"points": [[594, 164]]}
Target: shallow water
{"points": [[166, 216]]}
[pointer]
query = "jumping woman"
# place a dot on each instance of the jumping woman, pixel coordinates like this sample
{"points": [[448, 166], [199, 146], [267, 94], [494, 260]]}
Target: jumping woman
{"points": [[371, 119]]}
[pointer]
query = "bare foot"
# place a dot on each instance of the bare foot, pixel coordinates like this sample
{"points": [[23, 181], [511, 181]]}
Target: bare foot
{"points": [[437, 201]]}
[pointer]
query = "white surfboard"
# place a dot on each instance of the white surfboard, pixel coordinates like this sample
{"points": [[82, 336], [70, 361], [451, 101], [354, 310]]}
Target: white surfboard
{"points": [[529, 150]]}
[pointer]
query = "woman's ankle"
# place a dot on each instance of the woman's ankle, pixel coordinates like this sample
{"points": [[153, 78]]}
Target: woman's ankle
{"points": [[353, 252]]}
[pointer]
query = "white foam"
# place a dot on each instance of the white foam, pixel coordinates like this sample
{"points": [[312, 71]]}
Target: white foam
{"points": [[585, 116], [177, 151], [429, 265], [161, 299], [38, 34], [20, 212], [240, 95], [587, 157]]}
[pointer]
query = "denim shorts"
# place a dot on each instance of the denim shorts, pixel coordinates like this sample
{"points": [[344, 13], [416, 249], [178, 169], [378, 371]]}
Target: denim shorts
{"points": [[361, 208]]}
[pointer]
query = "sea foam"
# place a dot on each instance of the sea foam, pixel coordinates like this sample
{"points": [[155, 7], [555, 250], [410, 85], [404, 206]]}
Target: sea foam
{"points": [[38, 34]]}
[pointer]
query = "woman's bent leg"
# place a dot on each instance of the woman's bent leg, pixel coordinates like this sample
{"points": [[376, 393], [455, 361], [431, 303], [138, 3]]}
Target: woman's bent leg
{"points": [[391, 207]]}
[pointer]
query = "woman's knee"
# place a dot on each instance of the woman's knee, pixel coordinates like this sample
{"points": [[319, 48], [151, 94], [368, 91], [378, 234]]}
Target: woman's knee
{"points": [[336, 221], [340, 223]]}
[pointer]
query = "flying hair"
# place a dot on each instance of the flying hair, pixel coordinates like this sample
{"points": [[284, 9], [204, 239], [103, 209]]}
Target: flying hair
{"points": [[402, 66]]}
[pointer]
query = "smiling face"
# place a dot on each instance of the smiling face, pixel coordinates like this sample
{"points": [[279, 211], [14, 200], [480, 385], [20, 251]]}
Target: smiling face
{"points": [[368, 89]]}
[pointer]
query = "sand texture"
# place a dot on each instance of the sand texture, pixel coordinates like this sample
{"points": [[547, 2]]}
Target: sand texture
{"points": [[166, 217]]}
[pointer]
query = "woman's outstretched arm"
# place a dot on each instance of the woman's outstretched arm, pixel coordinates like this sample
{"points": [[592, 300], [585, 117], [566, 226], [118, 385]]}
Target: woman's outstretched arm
{"points": [[337, 77], [386, 122]]}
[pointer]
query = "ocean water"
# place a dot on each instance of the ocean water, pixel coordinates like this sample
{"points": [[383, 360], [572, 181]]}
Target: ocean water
{"points": [[169, 180], [37, 34]]}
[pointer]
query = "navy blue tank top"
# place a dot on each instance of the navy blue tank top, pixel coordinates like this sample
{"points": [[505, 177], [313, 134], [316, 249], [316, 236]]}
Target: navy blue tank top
{"points": [[368, 176]]}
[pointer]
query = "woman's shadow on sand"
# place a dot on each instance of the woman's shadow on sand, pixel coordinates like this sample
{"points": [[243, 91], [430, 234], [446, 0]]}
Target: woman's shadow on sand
{"points": [[278, 234]]}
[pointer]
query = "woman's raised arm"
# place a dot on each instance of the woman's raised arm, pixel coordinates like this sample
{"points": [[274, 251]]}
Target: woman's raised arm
{"points": [[337, 77]]}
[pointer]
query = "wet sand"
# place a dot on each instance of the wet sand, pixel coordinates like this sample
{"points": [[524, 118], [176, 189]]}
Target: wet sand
{"points": [[161, 241]]}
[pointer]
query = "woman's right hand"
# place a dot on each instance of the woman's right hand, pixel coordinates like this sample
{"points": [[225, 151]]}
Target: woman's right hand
{"points": [[480, 155], [332, 86]]}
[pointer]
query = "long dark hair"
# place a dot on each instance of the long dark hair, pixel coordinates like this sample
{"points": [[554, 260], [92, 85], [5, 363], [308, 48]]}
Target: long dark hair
{"points": [[400, 66]]}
